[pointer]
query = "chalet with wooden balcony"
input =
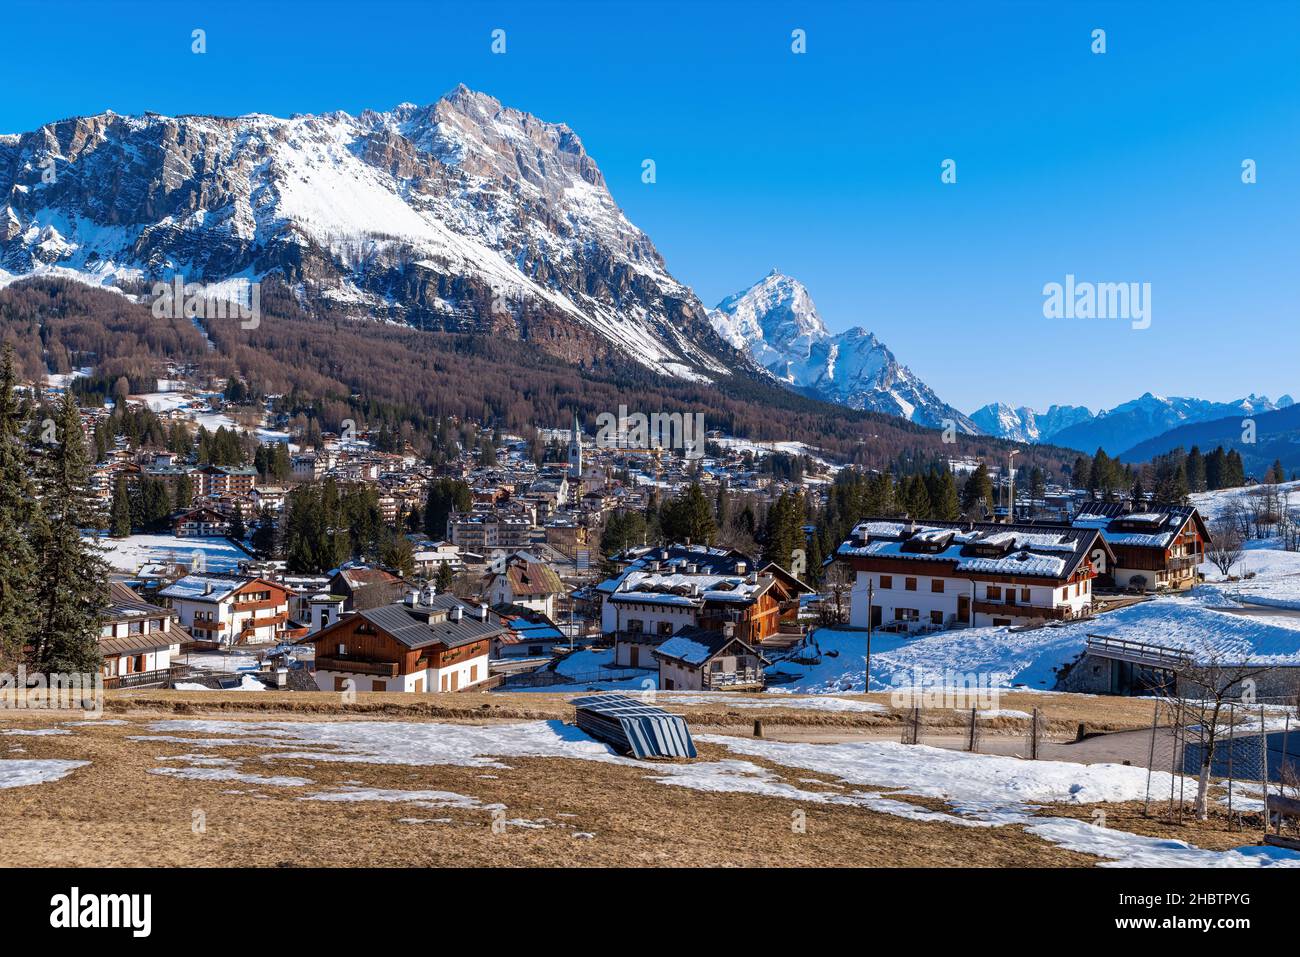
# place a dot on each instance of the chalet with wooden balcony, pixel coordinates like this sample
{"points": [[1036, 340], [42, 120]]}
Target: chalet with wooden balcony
{"points": [[703, 659], [200, 523], [426, 642], [929, 576], [664, 590], [1157, 549], [138, 641], [226, 610]]}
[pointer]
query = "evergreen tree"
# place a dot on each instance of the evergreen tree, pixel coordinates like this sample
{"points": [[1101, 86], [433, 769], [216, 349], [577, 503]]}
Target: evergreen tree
{"points": [[264, 535], [119, 522], [622, 530], [238, 530], [1196, 470], [444, 578], [395, 551], [73, 588], [19, 520], [689, 517], [1081, 473], [947, 505], [977, 494], [445, 496], [183, 495]]}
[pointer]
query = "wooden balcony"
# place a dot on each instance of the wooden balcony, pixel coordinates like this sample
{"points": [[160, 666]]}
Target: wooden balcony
{"points": [[146, 679], [359, 666], [722, 680], [1005, 610]]}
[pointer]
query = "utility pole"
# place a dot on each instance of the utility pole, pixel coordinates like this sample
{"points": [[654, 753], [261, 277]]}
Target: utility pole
{"points": [[1011, 479], [871, 593]]}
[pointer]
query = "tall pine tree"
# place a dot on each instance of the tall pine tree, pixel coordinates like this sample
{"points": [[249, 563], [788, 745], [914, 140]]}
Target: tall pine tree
{"points": [[73, 589], [19, 518]]}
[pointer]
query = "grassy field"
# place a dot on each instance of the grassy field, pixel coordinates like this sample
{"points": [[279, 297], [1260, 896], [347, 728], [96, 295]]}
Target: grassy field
{"points": [[119, 811]]}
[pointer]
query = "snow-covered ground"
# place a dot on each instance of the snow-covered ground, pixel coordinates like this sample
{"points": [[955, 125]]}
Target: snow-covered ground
{"points": [[1213, 505], [589, 665], [128, 554], [20, 772], [980, 790], [1001, 657]]}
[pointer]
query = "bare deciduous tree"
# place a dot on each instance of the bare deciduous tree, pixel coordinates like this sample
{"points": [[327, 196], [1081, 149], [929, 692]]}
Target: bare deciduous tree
{"points": [[1226, 545], [838, 583], [1206, 683]]}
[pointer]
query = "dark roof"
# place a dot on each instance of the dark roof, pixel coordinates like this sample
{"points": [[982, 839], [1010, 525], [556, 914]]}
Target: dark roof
{"points": [[410, 627], [135, 644], [124, 604], [716, 561]]}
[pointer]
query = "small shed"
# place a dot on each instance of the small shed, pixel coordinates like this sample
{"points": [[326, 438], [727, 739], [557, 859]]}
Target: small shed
{"points": [[632, 727]]}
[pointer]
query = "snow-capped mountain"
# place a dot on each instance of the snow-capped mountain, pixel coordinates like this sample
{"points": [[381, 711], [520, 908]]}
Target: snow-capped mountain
{"points": [[462, 215], [777, 323], [1118, 429], [1026, 425]]}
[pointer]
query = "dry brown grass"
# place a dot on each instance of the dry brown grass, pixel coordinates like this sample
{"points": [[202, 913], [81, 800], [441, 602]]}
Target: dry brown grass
{"points": [[115, 812], [1062, 713]]}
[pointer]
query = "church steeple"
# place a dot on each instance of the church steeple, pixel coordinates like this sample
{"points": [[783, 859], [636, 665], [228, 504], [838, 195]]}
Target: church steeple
{"points": [[575, 449]]}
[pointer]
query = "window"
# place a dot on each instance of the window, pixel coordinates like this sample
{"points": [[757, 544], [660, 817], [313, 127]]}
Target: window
{"points": [[993, 592], [886, 581], [936, 618], [936, 585], [1024, 595], [909, 584], [906, 614], [1065, 593]]}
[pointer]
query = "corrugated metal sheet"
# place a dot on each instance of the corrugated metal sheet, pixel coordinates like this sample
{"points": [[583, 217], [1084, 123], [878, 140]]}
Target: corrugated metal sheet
{"points": [[641, 730]]}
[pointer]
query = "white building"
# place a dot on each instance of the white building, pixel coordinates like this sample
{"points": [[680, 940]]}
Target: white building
{"points": [[231, 610], [933, 575]]}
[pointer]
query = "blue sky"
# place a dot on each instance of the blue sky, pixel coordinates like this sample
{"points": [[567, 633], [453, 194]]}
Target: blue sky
{"points": [[1119, 167]]}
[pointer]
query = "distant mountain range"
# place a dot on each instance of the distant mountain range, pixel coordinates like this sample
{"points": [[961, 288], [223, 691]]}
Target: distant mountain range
{"points": [[1120, 429], [1275, 434], [462, 216], [776, 322]]}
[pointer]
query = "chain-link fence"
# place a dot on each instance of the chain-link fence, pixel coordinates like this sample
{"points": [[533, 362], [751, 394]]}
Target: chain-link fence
{"points": [[1248, 755]]}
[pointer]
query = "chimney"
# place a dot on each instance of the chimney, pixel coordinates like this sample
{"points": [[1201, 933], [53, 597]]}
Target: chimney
{"points": [[728, 629], [482, 612], [455, 613]]}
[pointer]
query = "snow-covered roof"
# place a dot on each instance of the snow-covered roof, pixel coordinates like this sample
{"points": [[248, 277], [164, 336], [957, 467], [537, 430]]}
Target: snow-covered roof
{"points": [[203, 587], [974, 548]]}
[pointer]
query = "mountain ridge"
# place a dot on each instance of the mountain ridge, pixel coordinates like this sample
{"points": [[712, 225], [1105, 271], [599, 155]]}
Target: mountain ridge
{"points": [[461, 215], [776, 321]]}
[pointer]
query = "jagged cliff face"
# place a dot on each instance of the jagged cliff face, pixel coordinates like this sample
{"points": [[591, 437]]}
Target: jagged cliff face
{"points": [[462, 215], [777, 323]]}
